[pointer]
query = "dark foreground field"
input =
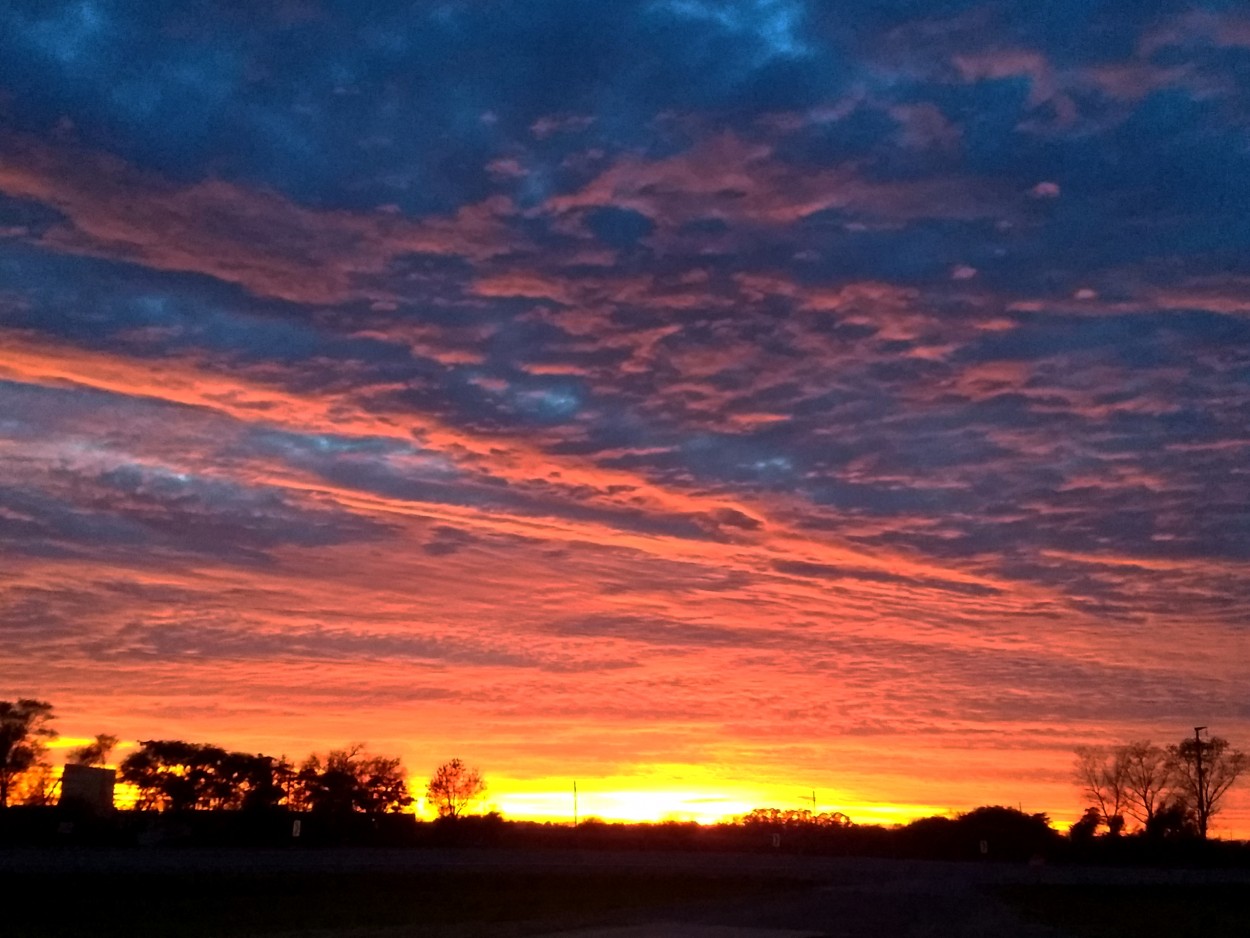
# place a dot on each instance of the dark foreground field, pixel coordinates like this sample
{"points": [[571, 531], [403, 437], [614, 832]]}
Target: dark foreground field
{"points": [[501, 894], [348, 903], [1210, 910]]}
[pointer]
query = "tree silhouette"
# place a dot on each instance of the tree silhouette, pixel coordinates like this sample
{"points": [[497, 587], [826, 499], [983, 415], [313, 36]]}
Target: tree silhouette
{"points": [[96, 752], [1146, 779], [174, 775], [1084, 829], [349, 780], [1203, 771], [384, 786], [776, 819], [1101, 773], [171, 774], [1008, 832], [453, 787], [23, 729], [1173, 820], [328, 785], [254, 782]]}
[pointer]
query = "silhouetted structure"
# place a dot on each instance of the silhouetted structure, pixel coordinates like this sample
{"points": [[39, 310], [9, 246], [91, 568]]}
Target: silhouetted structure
{"points": [[88, 787]]}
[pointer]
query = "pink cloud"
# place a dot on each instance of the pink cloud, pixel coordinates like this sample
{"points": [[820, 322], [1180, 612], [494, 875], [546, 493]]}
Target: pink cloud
{"points": [[259, 240], [727, 177]]}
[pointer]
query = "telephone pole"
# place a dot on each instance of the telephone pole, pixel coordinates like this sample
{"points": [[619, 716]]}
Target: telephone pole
{"points": [[574, 803]]}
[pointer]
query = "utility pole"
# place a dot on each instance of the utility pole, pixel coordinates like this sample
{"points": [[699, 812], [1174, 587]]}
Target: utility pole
{"points": [[1202, 812], [575, 803]]}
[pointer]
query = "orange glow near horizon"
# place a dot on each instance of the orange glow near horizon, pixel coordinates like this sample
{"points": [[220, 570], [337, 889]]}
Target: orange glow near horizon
{"points": [[694, 794], [625, 800]]}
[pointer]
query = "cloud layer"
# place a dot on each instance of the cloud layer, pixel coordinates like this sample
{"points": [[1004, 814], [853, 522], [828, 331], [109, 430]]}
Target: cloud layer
{"points": [[849, 395]]}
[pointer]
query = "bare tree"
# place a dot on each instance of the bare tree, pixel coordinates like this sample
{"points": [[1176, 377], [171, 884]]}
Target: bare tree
{"points": [[1101, 775], [95, 752], [24, 725], [1203, 771], [1146, 777], [453, 787]]}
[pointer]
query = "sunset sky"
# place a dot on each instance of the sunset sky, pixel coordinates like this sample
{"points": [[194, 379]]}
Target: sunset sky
{"points": [[708, 402]]}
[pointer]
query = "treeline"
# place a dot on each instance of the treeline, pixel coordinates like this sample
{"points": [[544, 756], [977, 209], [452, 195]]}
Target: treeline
{"points": [[173, 775], [1156, 791], [1148, 803], [991, 833]]}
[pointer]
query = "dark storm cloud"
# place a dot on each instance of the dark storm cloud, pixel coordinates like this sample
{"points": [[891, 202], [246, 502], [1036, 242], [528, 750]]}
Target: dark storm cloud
{"points": [[403, 115], [177, 89]]}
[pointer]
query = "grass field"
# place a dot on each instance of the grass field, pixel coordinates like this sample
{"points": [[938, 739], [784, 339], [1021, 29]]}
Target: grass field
{"points": [[1138, 911], [137, 905]]}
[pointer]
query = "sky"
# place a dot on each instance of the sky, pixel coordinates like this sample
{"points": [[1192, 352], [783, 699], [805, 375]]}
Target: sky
{"points": [[712, 403]]}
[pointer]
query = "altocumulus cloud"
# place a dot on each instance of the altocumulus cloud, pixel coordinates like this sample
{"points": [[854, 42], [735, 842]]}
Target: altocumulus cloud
{"points": [[636, 367]]}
